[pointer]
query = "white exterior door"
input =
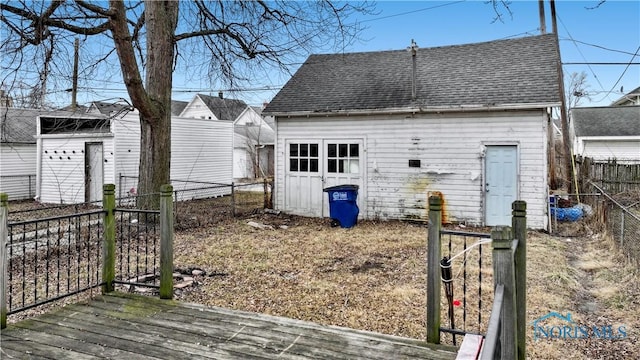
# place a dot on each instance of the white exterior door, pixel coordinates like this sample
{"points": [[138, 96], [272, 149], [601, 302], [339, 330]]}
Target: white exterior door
{"points": [[313, 165], [94, 172], [343, 164], [501, 185], [303, 179]]}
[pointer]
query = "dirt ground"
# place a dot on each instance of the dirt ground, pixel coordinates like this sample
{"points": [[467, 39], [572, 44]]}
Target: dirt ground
{"points": [[373, 276]]}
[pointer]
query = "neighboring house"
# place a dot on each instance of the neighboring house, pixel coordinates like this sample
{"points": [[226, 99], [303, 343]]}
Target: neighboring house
{"points": [[253, 145], [630, 98], [605, 133], [18, 151], [466, 122], [80, 154], [213, 108], [253, 139], [106, 108], [178, 106]]}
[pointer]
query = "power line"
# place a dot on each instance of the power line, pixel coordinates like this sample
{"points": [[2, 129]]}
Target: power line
{"points": [[623, 72], [599, 46], [581, 54], [412, 11]]}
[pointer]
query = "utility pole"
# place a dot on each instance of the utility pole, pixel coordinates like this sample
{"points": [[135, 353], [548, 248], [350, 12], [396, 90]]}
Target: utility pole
{"points": [[563, 106], [74, 87], [543, 26]]}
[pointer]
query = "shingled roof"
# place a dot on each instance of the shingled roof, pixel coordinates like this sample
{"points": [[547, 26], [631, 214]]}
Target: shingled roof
{"points": [[606, 121], [20, 125], [503, 72], [177, 106], [224, 109]]}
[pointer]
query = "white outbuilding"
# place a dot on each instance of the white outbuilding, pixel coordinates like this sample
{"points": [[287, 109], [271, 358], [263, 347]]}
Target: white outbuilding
{"points": [[77, 155], [465, 122]]}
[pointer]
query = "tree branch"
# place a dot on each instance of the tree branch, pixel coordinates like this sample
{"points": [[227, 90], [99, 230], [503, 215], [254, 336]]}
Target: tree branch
{"points": [[128, 64], [39, 21], [96, 9]]}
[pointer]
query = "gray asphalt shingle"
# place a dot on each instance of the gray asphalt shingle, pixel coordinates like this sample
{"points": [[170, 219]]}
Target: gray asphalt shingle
{"points": [[606, 121], [515, 71], [224, 109]]}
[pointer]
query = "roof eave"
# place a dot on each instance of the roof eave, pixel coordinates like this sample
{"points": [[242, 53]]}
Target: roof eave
{"points": [[416, 110]]}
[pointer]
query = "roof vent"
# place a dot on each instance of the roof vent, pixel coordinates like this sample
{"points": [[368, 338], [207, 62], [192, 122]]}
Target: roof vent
{"points": [[220, 95]]}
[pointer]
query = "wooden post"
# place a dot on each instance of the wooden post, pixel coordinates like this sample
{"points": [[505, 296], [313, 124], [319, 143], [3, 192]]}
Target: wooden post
{"points": [[166, 242], [4, 234], [503, 273], [109, 242], [433, 270], [265, 204], [519, 224]]}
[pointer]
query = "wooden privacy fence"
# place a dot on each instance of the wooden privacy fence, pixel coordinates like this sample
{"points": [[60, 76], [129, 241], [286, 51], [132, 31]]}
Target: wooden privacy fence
{"points": [[505, 333], [48, 259], [612, 176]]}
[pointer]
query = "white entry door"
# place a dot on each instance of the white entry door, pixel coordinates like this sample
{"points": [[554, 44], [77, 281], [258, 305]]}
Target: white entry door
{"points": [[501, 185], [343, 165], [303, 179], [94, 171]]}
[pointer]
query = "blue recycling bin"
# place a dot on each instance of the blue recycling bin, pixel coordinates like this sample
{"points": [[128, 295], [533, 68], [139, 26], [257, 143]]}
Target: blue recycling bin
{"points": [[343, 206]]}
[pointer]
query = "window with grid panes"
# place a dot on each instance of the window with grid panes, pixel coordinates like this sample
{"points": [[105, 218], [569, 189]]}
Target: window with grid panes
{"points": [[343, 158], [303, 157]]}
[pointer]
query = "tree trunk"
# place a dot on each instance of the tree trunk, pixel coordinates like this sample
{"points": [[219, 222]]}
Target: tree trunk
{"points": [[155, 126]]}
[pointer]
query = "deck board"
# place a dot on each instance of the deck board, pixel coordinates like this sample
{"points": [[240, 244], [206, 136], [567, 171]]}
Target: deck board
{"points": [[133, 327]]}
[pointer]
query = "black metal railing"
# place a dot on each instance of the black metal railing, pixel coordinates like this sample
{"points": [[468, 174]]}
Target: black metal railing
{"points": [[51, 258], [137, 249], [467, 282]]}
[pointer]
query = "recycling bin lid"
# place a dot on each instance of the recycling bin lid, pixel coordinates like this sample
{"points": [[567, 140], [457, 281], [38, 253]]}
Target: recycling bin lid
{"points": [[342, 188]]}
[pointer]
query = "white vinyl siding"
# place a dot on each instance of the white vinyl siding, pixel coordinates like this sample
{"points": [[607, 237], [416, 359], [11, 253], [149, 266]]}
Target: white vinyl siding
{"points": [[62, 176], [127, 142], [197, 109], [450, 148], [624, 151], [201, 151], [18, 170]]}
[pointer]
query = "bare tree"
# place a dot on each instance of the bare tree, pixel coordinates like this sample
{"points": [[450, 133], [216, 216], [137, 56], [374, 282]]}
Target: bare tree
{"points": [[577, 89], [228, 41], [254, 145]]}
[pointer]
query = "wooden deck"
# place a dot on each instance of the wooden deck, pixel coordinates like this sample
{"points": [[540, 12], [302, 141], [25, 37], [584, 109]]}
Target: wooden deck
{"points": [[134, 327]]}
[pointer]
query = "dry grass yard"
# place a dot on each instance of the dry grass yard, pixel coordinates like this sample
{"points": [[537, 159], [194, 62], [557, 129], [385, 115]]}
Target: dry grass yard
{"points": [[372, 277]]}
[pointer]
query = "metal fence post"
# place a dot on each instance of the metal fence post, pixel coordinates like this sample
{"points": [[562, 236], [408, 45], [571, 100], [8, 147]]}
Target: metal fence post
{"points": [[166, 241], [109, 242], [519, 224], [31, 196], [622, 229], [503, 273], [433, 270], [119, 189], [233, 199], [4, 234]]}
